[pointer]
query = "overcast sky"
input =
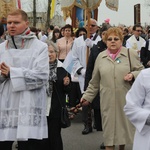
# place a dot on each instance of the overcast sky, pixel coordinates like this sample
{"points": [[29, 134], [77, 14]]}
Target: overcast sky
{"points": [[125, 13]]}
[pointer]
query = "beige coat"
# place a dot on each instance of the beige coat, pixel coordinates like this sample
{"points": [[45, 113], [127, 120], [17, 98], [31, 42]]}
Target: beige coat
{"points": [[108, 76]]}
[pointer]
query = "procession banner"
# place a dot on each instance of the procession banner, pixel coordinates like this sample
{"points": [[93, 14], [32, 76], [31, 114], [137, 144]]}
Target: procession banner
{"points": [[67, 4], [112, 4], [90, 4]]}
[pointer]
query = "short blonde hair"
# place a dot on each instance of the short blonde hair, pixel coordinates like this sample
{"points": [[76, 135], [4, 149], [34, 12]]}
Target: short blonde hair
{"points": [[113, 30], [19, 12]]}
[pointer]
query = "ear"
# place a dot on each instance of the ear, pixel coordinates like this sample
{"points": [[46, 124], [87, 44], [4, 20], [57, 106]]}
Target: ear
{"points": [[27, 23]]}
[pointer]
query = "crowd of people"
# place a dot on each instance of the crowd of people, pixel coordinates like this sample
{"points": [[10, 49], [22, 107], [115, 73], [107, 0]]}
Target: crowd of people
{"points": [[105, 79]]}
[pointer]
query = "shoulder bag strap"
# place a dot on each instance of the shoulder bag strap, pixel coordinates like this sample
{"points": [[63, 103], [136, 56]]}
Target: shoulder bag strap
{"points": [[129, 59]]}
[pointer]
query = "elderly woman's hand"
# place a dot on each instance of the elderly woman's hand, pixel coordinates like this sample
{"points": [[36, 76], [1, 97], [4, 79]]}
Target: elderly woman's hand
{"points": [[128, 77], [84, 102], [66, 80]]}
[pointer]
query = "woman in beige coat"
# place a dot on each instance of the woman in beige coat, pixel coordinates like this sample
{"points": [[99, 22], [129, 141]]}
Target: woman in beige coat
{"points": [[111, 76]]}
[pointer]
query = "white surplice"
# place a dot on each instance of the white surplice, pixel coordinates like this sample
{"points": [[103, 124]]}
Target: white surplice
{"points": [[137, 109], [23, 96], [79, 50]]}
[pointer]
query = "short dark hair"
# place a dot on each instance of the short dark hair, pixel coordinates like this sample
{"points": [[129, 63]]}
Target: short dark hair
{"points": [[1, 29], [68, 26], [136, 26], [79, 30], [126, 30], [51, 27], [104, 27], [33, 29]]}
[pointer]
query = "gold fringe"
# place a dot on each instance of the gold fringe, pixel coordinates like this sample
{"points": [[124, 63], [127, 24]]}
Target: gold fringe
{"points": [[84, 5]]}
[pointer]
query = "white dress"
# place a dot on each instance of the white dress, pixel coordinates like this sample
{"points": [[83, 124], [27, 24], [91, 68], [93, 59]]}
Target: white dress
{"points": [[137, 109], [23, 96]]}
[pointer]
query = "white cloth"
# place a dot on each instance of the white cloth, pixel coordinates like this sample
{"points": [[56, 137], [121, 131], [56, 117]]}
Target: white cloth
{"points": [[134, 44], [43, 38], [23, 96], [79, 50], [69, 20], [137, 109], [89, 43], [50, 35]]}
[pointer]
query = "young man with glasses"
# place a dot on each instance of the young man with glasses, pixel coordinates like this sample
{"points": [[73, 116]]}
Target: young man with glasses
{"points": [[136, 41]]}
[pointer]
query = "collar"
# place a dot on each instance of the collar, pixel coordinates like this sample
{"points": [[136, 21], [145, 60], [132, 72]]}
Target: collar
{"points": [[18, 41], [59, 63], [123, 52]]}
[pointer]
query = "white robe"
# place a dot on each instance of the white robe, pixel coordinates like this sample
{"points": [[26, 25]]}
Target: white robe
{"points": [[137, 109], [134, 44], [79, 51], [23, 96]]}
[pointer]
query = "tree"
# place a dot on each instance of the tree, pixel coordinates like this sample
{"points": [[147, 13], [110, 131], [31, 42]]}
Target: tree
{"points": [[48, 14], [34, 13]]}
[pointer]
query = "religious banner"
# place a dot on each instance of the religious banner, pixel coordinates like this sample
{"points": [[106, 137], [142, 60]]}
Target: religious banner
{"points": [[5, 7], [67, 4], [112, 4], [90, 4], [80, 8]]}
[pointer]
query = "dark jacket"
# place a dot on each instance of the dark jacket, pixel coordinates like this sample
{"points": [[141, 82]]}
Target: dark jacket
{"points": [[125, 39], [145, 54], [95, 50], [59, 93]]}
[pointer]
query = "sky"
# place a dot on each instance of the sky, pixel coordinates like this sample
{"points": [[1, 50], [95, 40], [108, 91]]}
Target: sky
{"points": [[125, 13]]}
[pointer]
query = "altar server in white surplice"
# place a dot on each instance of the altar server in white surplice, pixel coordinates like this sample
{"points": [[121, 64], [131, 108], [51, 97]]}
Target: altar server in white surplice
{"points": [[24, 71], [136, 42], [137, 109]]}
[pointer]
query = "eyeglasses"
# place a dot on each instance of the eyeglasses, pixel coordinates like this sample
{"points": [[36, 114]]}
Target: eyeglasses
{"points": [[138, 30], [92, 25], [115, 39]]}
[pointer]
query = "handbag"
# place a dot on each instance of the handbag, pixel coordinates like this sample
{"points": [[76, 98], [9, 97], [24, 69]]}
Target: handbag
{"points": [[65, 121], [131, 82]]}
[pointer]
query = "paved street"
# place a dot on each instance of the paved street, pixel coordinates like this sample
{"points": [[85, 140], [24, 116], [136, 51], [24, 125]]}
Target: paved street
{"points": [[74, 140]]}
